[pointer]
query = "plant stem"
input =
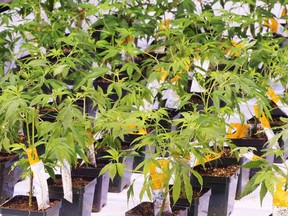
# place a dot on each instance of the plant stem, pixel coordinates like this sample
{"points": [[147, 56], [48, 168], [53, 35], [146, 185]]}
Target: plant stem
{"points": [[31, 190]]}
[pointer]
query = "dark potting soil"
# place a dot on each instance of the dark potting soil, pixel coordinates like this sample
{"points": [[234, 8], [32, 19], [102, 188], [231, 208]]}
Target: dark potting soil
{"points": [[227, 153], [105, 80], [77, 182], [6, 157], [217, 171], [21, 202], [99, 164], [196, 99], [276, 121], [147, 209]]}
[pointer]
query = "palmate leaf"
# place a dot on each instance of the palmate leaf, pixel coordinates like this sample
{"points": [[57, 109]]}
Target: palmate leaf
{"points": [[188, 188], [120, 169], [130, 191], [250, 186], [255, 164], [176, 190], [261, 177], [111, 168], [110, 53], [38, 63], [269, 182], [61, 69], [263, 192]]}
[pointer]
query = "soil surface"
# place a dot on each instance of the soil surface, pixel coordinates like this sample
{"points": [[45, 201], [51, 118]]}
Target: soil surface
{"points": [[6, 157], [147, 209], [77, 182], [99, 164], [276, 121], [226, 171], [21, 202], [227, 153]]}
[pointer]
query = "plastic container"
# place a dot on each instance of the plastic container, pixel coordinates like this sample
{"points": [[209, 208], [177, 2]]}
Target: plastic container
{"points": [[141, 210], [102, 185], [258, 144], [223, 191], [200, 202], [120, 183], [243, 177], [8, 178], [82, 197], [52, 211]]}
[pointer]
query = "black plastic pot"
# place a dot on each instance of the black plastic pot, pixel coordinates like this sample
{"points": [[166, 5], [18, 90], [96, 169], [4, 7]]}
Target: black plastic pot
{"points": [[118, 184], [102, 185], [200, 202], [141, 210], [82, 197], [258, 144], [8, 178], [244, 173], [52, 211], [223, 190]]}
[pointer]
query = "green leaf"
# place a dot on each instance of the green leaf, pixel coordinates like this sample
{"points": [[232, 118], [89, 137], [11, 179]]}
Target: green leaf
{"points": [[110, 54], [250, 186], [255, 164], [176, 190], [38, 63], [263, 192], [118, 89], [188, 188], [6, 143], [198, 176], [120, 169], [61, 69], [260, 178], [130, 191], [112, 170], [50, 172], [269, 182]]}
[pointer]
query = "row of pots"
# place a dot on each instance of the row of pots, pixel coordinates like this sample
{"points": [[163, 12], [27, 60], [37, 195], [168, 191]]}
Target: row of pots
{"points": [[118, 184], [87, 198]]}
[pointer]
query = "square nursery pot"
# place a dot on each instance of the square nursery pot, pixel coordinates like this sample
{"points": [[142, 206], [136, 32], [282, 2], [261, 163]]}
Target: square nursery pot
{"points": [[200, 202], [19, 201], [102, 185], [259, 144], [223, 189], [147, 209], [82, 195], [8, 178], [118, 184], [243, 178]]}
